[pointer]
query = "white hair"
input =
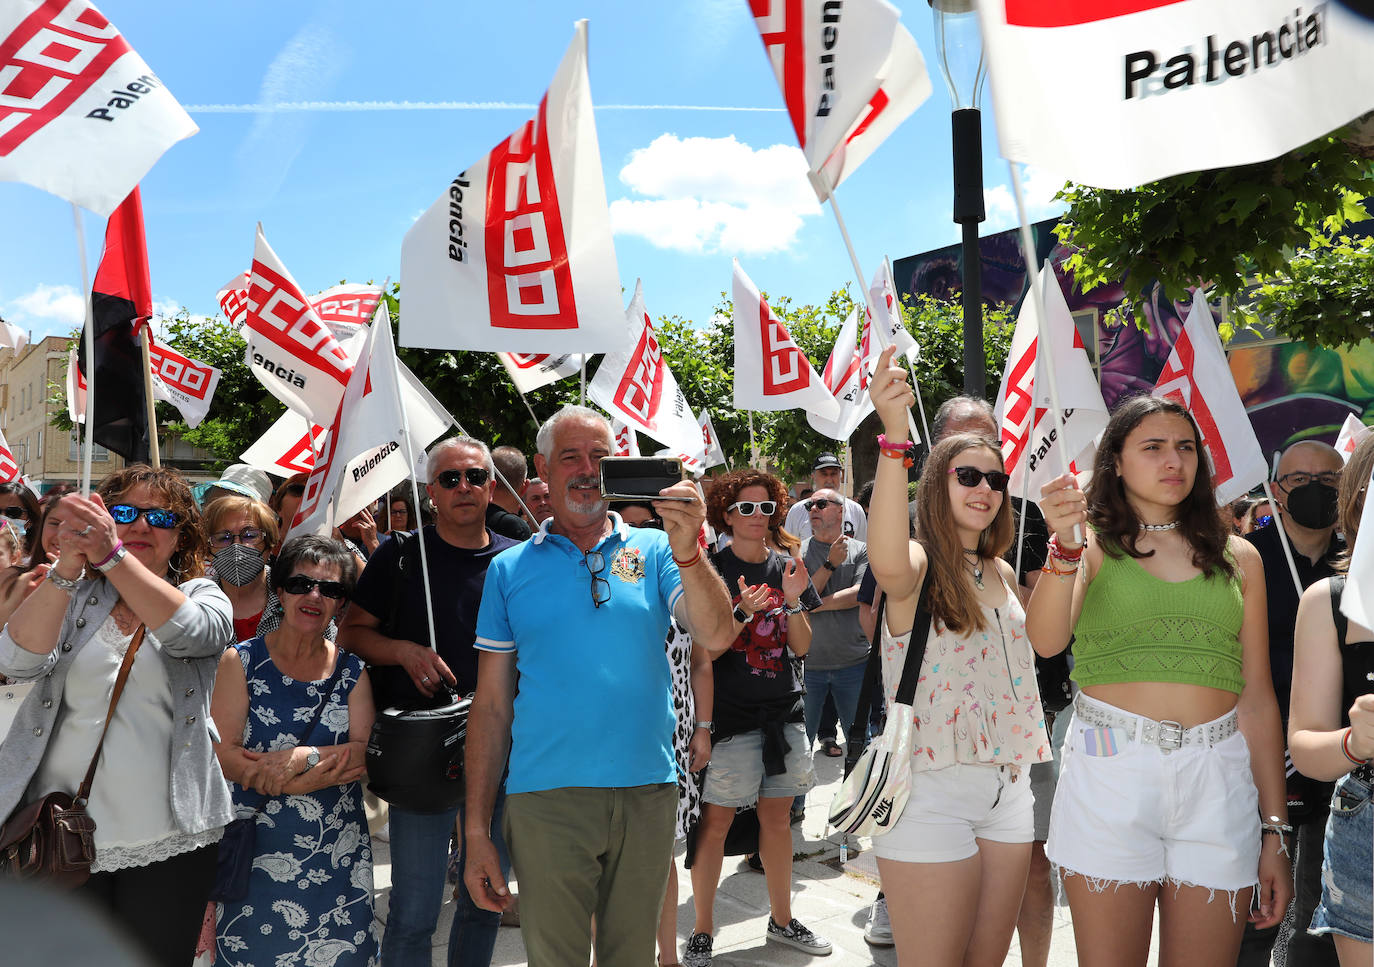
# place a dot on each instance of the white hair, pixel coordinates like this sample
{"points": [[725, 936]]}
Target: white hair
{"points": [[544, 441], [453, 443]]}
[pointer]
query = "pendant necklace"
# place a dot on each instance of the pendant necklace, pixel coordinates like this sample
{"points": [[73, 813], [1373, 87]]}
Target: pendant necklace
{"points": [[977, 570], [1155, 528]]}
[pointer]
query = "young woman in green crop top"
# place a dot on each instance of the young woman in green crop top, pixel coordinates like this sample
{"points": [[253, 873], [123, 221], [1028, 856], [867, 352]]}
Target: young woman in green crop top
{"points": [[1171, 792]]}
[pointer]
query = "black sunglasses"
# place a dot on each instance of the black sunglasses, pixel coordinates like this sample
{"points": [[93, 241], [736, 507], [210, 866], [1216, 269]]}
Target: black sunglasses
{"points": [[158, 517], [601, 588], [14, 513], [820, 503], [300, 584], [475, 476], [972, 476], [748, 508]]}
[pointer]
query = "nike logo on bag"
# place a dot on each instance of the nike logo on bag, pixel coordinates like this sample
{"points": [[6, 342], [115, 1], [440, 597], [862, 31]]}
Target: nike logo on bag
{"points": [[882, 813]]}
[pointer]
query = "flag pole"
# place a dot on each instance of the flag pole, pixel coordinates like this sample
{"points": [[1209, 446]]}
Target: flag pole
{"points": [[88, 335], [145, 340], [1037, 294], [753, 447], [1283, 538], [1021, 526], [863, 286], [582, 382]]}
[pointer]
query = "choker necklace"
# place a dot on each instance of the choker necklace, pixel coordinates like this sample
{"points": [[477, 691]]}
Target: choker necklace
{"points": [[1159, 527]]}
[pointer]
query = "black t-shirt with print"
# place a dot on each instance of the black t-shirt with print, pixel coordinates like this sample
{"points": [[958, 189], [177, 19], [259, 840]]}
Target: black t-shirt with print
{"points": [[757, 674]]}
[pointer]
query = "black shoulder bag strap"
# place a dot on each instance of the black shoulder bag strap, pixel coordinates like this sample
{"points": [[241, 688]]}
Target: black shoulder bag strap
{"points": [[873, 672], [1342, 622]]}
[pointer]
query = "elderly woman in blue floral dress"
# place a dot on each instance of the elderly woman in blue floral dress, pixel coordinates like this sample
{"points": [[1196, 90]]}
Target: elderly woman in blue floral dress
{"points": [[309, 898]]}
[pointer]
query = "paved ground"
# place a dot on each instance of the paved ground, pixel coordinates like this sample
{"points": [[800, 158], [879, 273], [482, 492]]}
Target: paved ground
{"points": [[831, 901]]}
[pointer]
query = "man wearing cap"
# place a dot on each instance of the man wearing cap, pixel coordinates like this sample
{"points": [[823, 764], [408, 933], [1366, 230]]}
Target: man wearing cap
{"points": [[827, 473]]}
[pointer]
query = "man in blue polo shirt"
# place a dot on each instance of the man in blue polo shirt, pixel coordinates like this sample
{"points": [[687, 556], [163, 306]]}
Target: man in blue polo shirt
{"points": [[580, 612]]}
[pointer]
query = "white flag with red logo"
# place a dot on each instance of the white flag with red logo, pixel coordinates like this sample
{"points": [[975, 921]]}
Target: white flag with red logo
{"points": [[771, 371], [9, 467], [287, 448], [849, 74], [76, 389], [714, 452], [1170, 85], [846, 377], [1030, 438], [634, 384], [1198, 377], [366, 452], [884, 313], [188, 384], [81, 114], [516, 255], [346, 308], [1352, 432], [1357, 601], [626, 443], [290, 349], [529, 371]]}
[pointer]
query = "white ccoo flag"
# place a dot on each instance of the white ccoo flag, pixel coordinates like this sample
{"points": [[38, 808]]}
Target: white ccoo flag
{"points": [[1352, 432], [529, 371], [771, 371], [715, 453], [846, 377]]}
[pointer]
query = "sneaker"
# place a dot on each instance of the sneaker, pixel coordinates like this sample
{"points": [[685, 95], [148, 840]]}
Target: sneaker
{"points": [[754, 862], [796, 815], [795, 935], [879, 929], [698, 951]]}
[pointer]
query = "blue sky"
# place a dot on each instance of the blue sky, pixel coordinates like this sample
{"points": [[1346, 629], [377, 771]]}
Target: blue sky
{"points": [[336, 189]]}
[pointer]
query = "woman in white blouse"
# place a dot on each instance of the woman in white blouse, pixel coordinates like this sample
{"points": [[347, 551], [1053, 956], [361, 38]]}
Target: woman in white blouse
{"points": [[133, 554]]}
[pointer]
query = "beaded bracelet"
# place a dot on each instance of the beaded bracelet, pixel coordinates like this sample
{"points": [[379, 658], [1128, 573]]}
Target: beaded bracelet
{"points": [[1345, 747], [1056, 551]]}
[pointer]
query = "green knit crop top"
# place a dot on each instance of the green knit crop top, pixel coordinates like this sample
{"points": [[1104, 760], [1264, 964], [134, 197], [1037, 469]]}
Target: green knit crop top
{"points": [[1135, 627]]}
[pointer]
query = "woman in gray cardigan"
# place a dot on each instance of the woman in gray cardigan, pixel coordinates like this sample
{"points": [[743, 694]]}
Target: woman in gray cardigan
{"points": [[132, 554]]}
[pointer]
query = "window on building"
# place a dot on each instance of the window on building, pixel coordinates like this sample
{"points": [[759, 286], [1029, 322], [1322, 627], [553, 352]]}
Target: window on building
{"points": [[98, 455]]}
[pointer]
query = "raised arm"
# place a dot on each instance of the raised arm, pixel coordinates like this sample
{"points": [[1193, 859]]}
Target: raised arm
{"points": [[898, 564], [706, 601], [1057, 598]]}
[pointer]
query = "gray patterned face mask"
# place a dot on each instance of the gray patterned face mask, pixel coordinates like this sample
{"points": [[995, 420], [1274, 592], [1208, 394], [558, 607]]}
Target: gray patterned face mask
{"points": [[239, 564]]}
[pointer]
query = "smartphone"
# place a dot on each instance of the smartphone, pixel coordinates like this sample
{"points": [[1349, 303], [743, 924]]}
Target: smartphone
{"points": [[639, 478]]}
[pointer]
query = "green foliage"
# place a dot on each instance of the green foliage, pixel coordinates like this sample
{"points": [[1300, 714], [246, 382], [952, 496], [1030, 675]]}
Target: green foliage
{"points": [[1326, 297], [1218, 227]]}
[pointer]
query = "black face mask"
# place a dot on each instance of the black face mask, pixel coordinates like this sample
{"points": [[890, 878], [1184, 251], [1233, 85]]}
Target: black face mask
{"points": [[238, 564], [1313, 506]]}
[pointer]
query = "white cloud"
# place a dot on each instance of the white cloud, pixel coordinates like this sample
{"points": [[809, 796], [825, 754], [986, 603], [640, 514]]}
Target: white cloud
{"points": [[706, 195], [1039, 188], [59, 304]]}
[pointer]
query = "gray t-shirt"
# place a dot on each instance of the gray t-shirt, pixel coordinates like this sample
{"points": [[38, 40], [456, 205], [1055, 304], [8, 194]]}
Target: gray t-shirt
{"points": [[837, 640]]}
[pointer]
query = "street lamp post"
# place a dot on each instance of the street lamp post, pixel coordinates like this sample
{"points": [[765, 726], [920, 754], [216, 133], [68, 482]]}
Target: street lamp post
{"points": [[961, 61]]}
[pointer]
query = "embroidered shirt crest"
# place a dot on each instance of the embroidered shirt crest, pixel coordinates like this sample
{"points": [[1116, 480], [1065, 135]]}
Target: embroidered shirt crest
{"points": [[629, 565]]}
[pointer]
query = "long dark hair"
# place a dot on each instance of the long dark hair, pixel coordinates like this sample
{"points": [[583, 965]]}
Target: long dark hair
{"points": [[951, 599], [1115, 520]]}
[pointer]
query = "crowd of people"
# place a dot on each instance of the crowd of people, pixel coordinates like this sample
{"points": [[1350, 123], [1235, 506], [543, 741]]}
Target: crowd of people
{"points": [[649, 674]]}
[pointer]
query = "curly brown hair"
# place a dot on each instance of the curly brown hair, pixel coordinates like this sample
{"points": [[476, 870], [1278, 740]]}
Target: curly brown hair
{"points": [[726, 492], [188, 560]]}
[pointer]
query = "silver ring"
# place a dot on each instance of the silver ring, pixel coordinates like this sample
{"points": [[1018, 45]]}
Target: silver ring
{"points": [[85, 530], [424, 678]]}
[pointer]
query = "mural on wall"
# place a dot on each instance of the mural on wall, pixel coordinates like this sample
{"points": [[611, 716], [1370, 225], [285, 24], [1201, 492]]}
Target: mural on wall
{"points": [[1292, 391]]}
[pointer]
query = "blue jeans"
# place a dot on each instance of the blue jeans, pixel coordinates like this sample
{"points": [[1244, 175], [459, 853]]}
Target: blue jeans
{"points": [[843, 685], [419, 860]]}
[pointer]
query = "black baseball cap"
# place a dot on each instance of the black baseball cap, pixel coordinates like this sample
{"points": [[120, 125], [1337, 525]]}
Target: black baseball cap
{"points": [[827, 460]]}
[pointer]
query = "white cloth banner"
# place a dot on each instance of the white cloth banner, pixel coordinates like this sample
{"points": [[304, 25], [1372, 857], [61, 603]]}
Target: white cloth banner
{"points": [[290, 349], [516, 255], [188, 384], [1198, 377], [846, 377], [1170, 85], [714, 453], [287, 448], [529, 371], [76, 390], [366, 451], [1030, 439], [9, 467], [1352, 432], [849, 72], [13, 337], [771, 371], [634, 384], [346, 308], [81, 114], [1357, 601]]}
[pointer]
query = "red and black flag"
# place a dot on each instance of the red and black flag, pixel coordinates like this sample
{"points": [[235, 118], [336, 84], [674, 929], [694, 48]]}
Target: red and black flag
{"points": [[121, 301]]}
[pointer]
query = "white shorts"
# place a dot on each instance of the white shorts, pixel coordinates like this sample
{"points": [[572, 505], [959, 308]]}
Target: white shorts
{"points": [[1129, 812], [950, 808]]}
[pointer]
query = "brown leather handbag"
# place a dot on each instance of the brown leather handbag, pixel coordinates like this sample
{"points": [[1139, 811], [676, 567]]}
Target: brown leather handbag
{"points": [[53, 839]]}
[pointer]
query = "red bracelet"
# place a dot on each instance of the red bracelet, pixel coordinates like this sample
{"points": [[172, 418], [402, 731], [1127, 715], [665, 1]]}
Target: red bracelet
{"points": [[1345, 747], [695, 557], [1063, 555]]}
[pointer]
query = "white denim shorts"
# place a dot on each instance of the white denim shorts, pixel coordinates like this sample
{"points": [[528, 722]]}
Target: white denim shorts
{"points": [[1126, 811], [949, 809]]}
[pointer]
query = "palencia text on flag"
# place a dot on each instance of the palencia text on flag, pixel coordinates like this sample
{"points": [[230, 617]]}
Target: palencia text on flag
{"points": [[846, 377], [1030, 438], [81, 114], [1170, 85], [635, 385], [367, 451], [849, 74], [290, 349], [1198, 377], [771, 371], [529, 371], [516, 254]]}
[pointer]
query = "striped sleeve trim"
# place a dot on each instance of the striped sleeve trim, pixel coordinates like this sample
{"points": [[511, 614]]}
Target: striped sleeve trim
{"points": [[486, 644]]}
